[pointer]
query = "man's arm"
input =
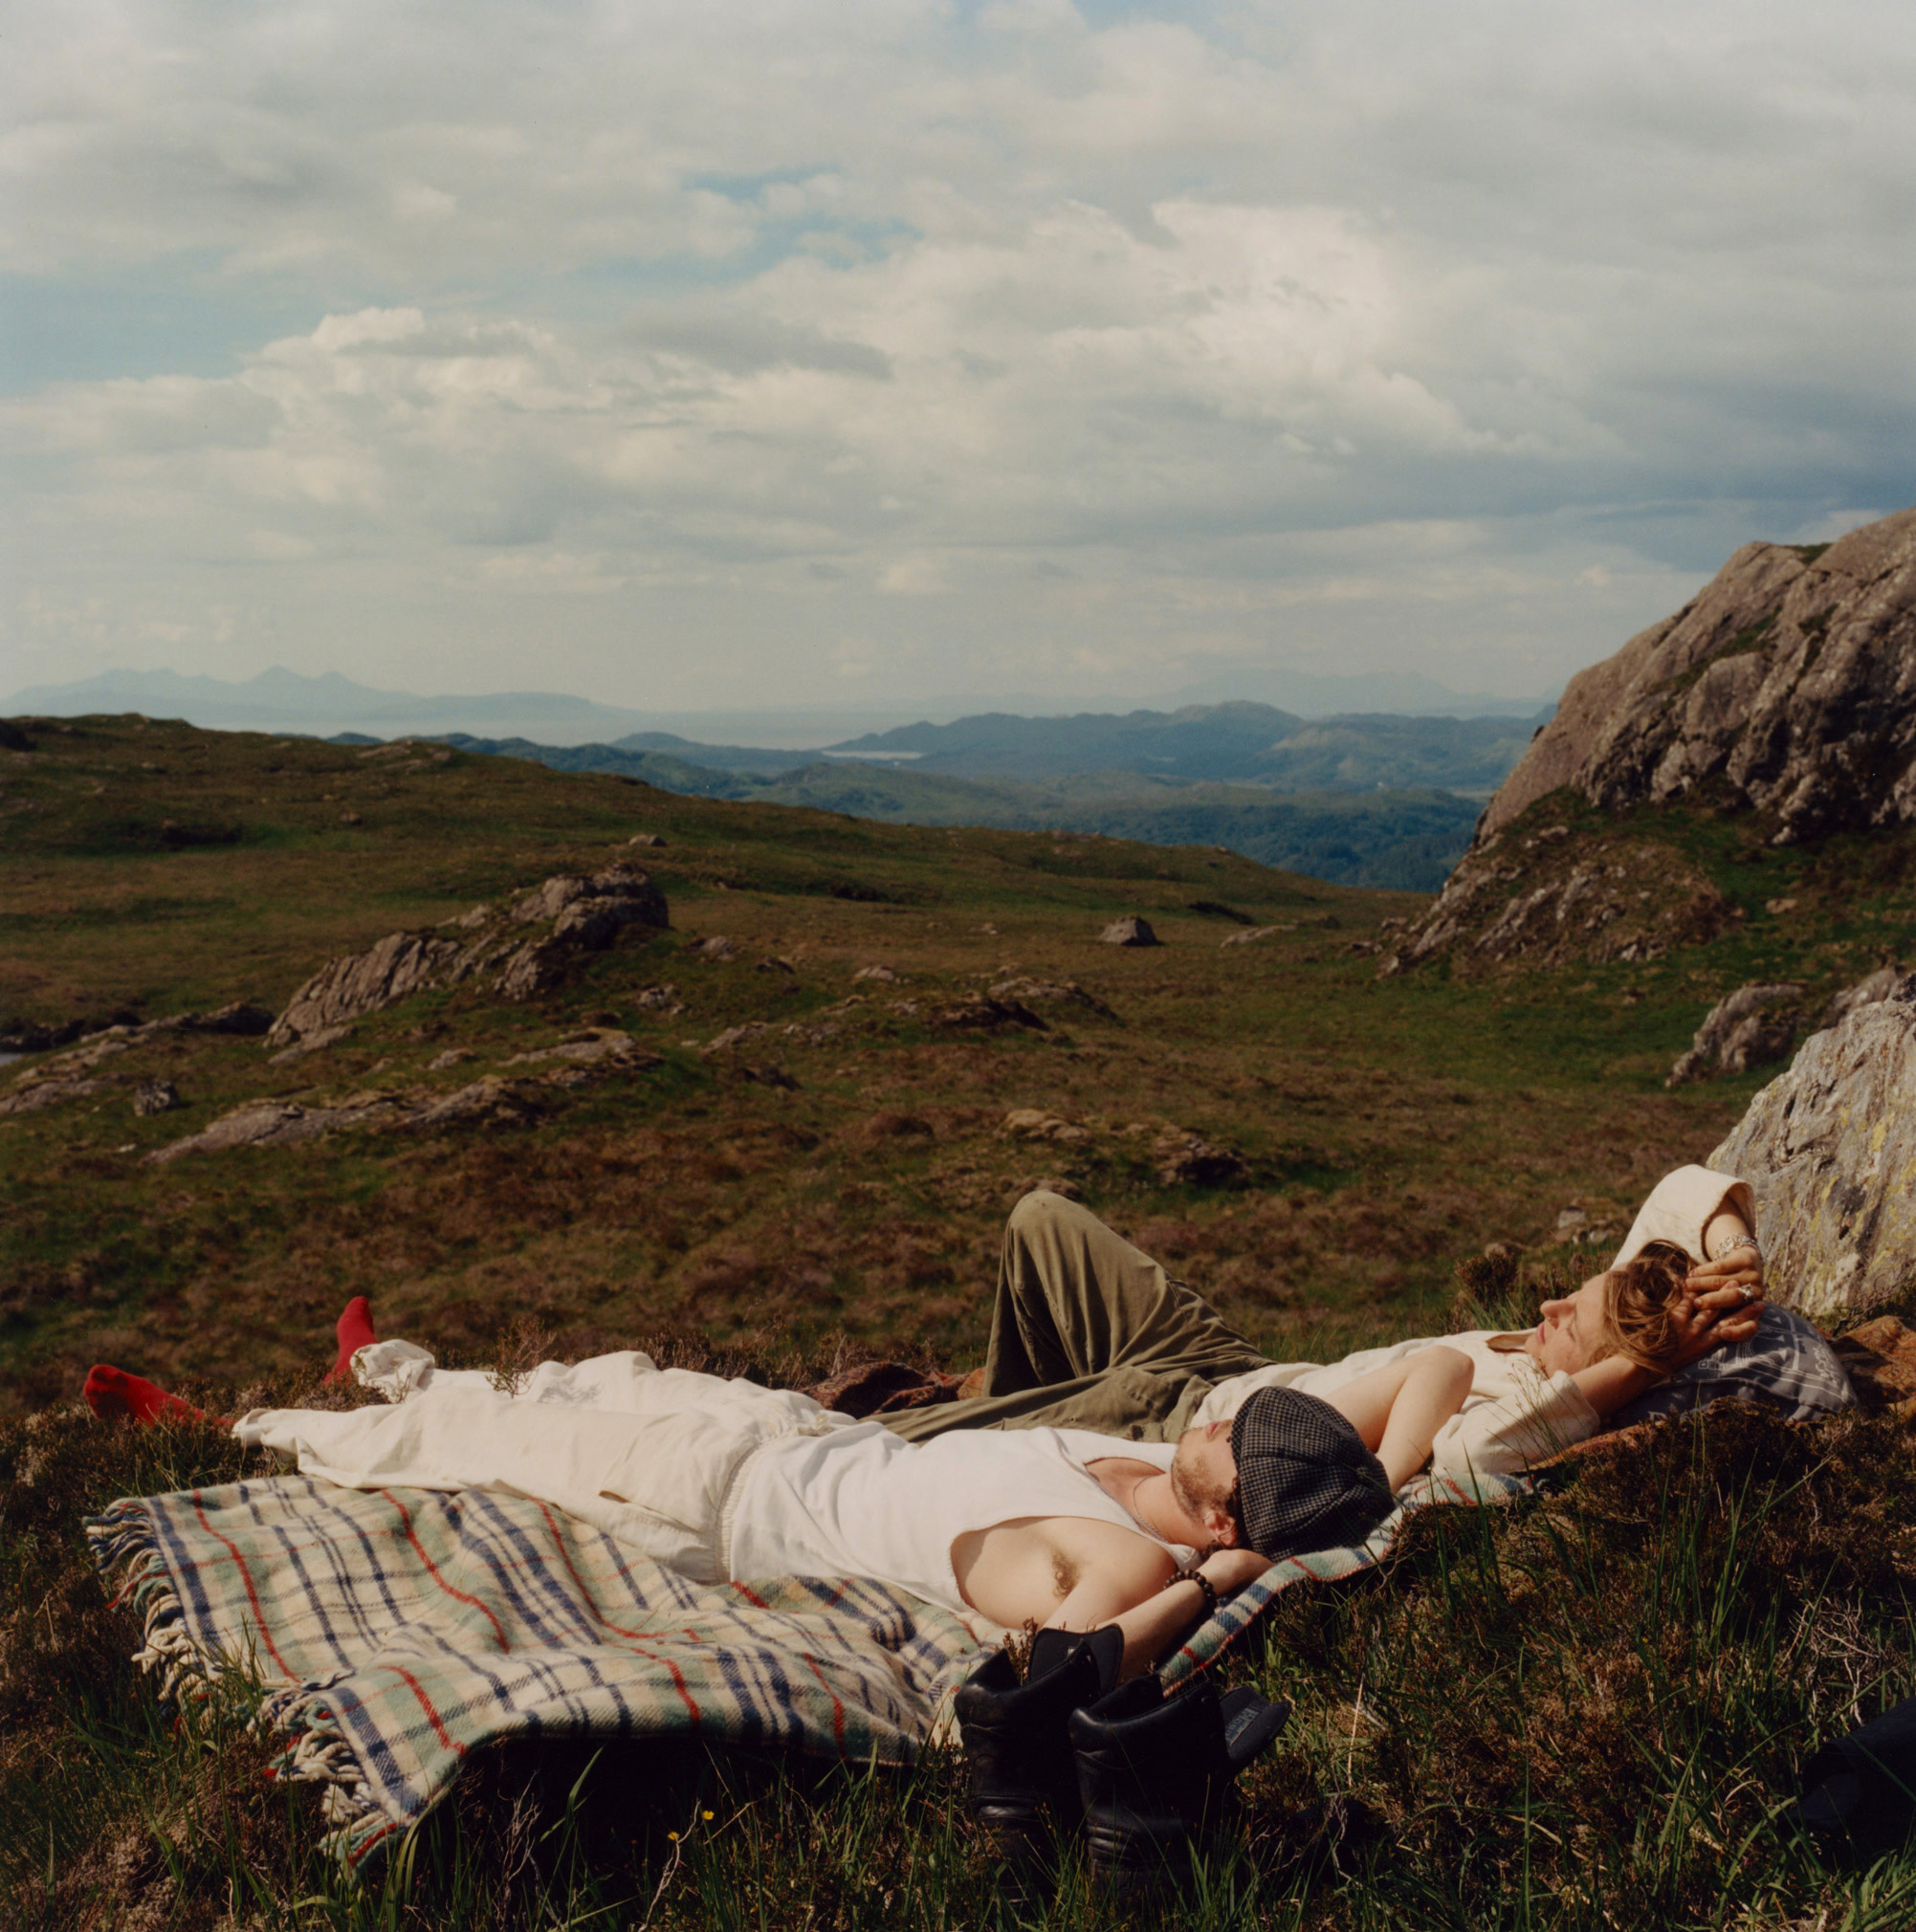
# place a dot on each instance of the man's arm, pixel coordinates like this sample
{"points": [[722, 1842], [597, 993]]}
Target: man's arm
{"points": [[1129, 1590]]}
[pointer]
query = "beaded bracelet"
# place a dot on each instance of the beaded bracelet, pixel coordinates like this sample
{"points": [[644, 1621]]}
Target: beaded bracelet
{"points": [[1195, 1575]]}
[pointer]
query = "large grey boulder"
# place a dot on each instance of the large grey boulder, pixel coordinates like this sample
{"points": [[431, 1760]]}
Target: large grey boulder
{"points": [[1786, 689], [1830, 1148], [1790, 682]]}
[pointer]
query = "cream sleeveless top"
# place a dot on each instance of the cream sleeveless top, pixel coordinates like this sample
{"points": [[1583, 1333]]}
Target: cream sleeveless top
{"points": [[862, 1501]]}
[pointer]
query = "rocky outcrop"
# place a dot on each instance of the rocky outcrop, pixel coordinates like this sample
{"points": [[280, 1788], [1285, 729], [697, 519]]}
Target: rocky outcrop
{"points": [[1789, 684], [1749, 1027], [1786, 691], [1553, 895], [573, 914], [1830, 1148], [86, 1069], [282, 1123]]}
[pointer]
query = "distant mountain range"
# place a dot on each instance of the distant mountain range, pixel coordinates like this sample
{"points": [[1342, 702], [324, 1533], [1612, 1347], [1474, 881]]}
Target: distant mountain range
{"points": [[1362, 797], [280, 700], [1371, 834], [1241, 742]]}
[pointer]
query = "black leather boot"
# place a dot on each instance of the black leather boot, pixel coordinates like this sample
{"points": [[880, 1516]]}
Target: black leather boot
{"points": [[1859, 1790], [1024, 1781], [1158, 1775]]}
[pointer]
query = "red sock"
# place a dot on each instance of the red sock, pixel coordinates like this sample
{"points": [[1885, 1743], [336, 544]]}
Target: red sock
{"points": [[113, 1391], [354, 1330]]}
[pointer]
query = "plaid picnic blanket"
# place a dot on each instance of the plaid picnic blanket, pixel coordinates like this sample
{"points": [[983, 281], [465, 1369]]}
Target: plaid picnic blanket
{"points": [[397, 1631]]}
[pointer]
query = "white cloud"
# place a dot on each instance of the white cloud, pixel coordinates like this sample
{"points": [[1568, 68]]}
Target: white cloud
{"points": [[1002, 344]]}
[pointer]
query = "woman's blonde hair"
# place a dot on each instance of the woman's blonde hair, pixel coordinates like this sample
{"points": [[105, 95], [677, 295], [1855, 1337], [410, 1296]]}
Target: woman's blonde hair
{"points": [[1639, 1300]]}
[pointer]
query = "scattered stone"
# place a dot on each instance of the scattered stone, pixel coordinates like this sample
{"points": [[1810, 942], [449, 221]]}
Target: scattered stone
{"points": [[1744, 1029], [1253, 935], [645, 839], [156, 1096], [905, 1009], [1571, 1224], [351, 818], [1185, 1160], [1880, 985], [1044, 992], [720, 1043], [1777, 908], [312, 1042], [453, 1056], [884, 975], [602, 1047], [987, 1016], [660, 998], [1033, 1123], [1830, 1148], [766, 1075], [1132, 931], [776, 963], [584, 914], [715, 946]]}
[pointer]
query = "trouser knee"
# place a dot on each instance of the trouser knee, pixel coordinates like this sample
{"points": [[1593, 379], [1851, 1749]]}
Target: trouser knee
{"points": [[1043, 1211]]}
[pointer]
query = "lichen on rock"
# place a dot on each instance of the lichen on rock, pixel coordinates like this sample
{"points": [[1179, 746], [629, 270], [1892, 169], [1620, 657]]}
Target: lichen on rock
{"points": [[1830, 1148]]}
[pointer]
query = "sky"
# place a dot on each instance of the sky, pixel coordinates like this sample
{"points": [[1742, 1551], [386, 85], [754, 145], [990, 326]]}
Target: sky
{"points": [[750, 354]]}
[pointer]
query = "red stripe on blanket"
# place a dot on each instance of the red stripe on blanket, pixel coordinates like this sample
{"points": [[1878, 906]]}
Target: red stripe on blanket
{"points": [[837, 1705], [286, 1670], [592, 1602], [418, 1690], [405, 1516]]}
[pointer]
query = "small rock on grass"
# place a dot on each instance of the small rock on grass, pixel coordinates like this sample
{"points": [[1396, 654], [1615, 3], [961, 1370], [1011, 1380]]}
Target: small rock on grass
{"points": [[1132, 931], [1033, 1123], [156, 1096]]}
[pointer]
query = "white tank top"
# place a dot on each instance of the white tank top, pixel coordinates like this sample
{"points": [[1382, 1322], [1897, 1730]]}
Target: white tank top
{"points": [[862, 1501]]}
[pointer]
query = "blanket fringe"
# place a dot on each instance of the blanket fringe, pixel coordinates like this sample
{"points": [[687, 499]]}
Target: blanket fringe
{"points": [[127, 1553]]}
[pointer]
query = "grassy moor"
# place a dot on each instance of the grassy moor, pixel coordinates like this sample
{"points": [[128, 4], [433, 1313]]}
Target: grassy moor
{"points": [[781, 1135]]}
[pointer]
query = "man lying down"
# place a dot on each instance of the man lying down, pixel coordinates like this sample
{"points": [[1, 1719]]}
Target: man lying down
{"points": [[1133, 1459]]}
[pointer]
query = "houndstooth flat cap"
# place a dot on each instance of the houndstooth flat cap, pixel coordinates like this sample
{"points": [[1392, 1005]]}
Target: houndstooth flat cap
{"points": [[1304, 1479]]}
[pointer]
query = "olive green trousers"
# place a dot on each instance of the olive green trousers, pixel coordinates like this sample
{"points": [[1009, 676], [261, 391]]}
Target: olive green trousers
{"points": [[1089, 1332]]}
